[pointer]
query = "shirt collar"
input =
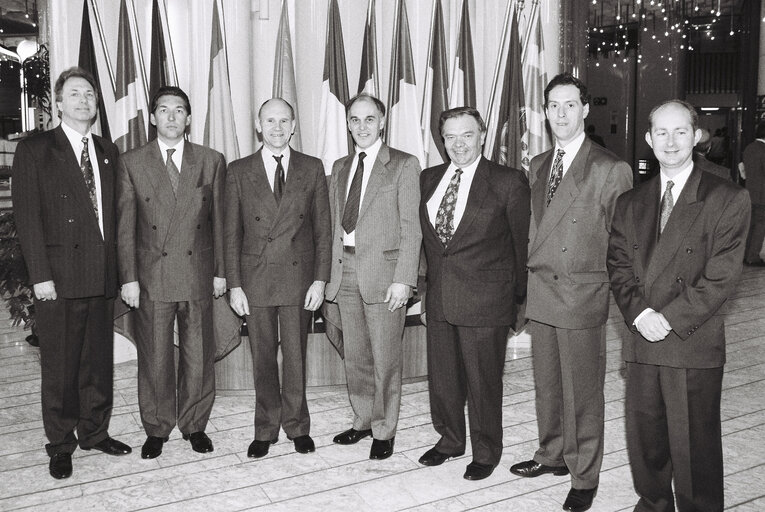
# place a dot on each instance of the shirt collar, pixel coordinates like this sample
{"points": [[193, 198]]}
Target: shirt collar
{"points": [[164, 147], [75, 137], [267, 152], [467, 170], [572, 148], [678, 180], [371, 151]]}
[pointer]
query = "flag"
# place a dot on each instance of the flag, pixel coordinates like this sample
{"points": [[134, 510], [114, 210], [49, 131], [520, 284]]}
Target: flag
{"points": [[87, 61], [462, 90], [284, 72], [220, 130], [534, 82], [131, 111], [434, 100], [369, 81], [402, 126], [334, 139], [158, 68]]}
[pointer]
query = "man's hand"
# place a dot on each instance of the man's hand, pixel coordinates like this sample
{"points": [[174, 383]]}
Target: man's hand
{"points": [[219, 287], [45, 290], [653, 326], [314, 296], [130, 293], [397, 295], [238, 301]]}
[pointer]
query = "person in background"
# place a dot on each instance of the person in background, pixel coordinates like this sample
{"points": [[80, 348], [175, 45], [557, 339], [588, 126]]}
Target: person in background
{"points": [[700, 159], [753, 171]]}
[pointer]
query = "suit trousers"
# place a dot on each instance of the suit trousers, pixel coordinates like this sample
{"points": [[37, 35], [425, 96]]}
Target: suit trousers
{"points": [[673, 431], [77, 362], [467, 363], [268, 328], [569, 374], [157, 379], [373, 344], [756, 234]]}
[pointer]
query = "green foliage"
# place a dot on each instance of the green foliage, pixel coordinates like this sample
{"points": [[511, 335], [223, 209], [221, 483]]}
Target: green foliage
{"points": [[14, 279]]}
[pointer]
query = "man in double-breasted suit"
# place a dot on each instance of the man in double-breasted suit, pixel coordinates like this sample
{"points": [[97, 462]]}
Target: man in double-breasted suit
{"points": [[374, 195], [277, 246], [63, 200], [573, 192], [675, 255], [474, 216], [170, 246]]}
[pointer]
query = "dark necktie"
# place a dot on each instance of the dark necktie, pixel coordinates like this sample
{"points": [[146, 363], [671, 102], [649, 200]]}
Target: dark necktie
{"points": [[87, 173], [666, 206], [555, 176], [172, 170], [445, 215], [278, 179], [351, 212]]}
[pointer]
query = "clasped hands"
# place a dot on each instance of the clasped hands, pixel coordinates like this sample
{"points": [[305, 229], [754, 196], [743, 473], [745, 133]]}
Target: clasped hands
{"points": [[653, 326]]}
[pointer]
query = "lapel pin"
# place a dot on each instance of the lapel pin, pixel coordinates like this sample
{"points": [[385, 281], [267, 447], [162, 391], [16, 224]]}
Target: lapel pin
{"points": [[106, 160]]}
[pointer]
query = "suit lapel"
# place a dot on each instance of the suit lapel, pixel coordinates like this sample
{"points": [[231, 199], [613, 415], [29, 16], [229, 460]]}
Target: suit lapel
{"points": [[433, 178], [476, 196], [539, 188], [106, 174], [157, 174], [645, 218], [73, 179], [256, 175], [379, 168], [190, 170], [294, 183], [342, 187]]}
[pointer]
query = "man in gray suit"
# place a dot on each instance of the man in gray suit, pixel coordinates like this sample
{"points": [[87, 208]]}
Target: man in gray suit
{"points": [[170, 252], [374, 198]]}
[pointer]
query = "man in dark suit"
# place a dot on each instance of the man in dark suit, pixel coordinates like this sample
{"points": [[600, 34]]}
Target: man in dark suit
{"points": [[674, 257], [277, 246], [374, 194], [474, 216], [170, 247], [754, 173], [574, 188], [63, 198], [700, 156]]}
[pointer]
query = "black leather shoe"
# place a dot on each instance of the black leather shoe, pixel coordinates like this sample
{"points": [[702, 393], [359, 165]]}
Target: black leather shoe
{"points": [[579, 500], [304, 444], [532, 468], [200, 443], [477, 471], [433, 457], [381, 449], [152, 448], [259, 449], [351, 436], [60, 465], [111, 447]]}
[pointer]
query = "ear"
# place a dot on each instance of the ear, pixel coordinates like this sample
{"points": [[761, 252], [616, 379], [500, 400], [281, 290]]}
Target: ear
{"points": [[696, 136], [257, 125], [648, 139], [585, 111], [188, 120], [153, 119]]}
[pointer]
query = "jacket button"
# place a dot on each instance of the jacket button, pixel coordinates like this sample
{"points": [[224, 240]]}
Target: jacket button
{"points": [[637, 279], [573, 221], [147, 199], [64, 196], [555, 277], [635, 246], [301, 215], [199, 226], [688, 250], [679, 279], [339, 260], [294, 263], [293, 238], [563, 250], [76, 246], [164, 254], [270, 239], [189, 253], [204, 199], [257, 219], [154, 228]]}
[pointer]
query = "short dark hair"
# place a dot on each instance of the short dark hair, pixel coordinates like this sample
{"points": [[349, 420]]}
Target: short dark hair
{"points": [[73, 72], [568, 79], [684, 104], [365, 96], [457, 112], [170, 90], [759, 132], [292, 110]]}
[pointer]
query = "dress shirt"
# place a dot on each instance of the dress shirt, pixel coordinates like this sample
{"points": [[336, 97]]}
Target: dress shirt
{"points": [[75, 139], [177, 156], [466, 180], [570, 151], [369, 162], [270, 164]]}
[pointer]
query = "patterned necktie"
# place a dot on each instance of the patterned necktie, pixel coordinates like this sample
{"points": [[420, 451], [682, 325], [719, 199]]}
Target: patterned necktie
{"points": [[278, 179], [445, 215], [351, 212], [666, 206], [87, 173], [172, 170], [555, 176]]}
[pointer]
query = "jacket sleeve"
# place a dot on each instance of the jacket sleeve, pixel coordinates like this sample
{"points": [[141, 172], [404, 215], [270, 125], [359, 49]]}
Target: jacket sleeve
{"points": [[219, 183], [321, 227], [518, 214], [126, 225], [409, 219], [233, 229]]}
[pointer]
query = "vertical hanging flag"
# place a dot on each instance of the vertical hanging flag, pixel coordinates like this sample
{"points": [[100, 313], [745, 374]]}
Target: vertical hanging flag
{"points": [[284, 72], [220, 130], [87, 61], [158, 65], [129, 127], [369, 81], [462, 89], [334, 139], [434, 100], [534, 82], [402, 126]]}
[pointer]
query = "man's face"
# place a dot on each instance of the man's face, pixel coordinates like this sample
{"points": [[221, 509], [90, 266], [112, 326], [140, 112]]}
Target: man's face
{"points": [[462, 139], [171, 118], [672, 136], [365, 123], [566, 113], [78, 101], [276, 125]]}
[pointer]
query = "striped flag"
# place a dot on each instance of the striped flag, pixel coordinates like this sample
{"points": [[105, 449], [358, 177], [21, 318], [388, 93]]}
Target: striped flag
{"points": [[434, 100], [87, 61], [131, 110], [534, 81], [158, 67], [284, 72], [462, 90], [334, 139], [402, 126], [220, 130], [369, 81]]}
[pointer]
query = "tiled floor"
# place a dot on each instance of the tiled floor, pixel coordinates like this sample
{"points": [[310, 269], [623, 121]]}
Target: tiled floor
{"points": [[342, 478]]}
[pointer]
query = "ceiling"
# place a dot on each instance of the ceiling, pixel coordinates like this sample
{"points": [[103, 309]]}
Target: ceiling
{"points": [[17, 18]]}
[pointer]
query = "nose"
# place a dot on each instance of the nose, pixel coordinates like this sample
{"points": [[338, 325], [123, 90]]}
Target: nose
{"points": [[561, 112]]}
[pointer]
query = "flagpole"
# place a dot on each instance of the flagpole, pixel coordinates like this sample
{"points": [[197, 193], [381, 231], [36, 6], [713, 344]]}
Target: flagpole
{"points": [[529, 29], [497, 67], [393, 66], [428, 71], [133, 22], [99, 27]]}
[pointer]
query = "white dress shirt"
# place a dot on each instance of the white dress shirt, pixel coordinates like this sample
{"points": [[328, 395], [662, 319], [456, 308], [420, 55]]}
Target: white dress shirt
{"points": [[466, 180], [75, 139], [177, 156], [369, 162], [269, 162], [570, 151]]}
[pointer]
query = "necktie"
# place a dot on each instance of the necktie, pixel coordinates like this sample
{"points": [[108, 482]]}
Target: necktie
{"points": [[351, 212], [445, 215], [278, 179], [87, 173], [666, 206], [555, 176], [172, 170]]}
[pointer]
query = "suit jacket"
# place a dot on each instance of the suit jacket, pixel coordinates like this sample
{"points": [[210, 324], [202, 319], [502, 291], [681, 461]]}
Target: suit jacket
{"points": [[275, 252], [754, 166], [705, 165], [388, 235], [56, 224], [173, 246], [568, 279], [476, 278], [686, 274]]}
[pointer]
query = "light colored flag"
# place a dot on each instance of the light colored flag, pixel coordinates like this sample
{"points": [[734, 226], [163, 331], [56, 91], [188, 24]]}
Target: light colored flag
{"points": [[220, 130], [462, 88], [284, 72], [534, 82], [369, 77], [334, 139], [128, 126], [402, 126], [434, 99]]}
